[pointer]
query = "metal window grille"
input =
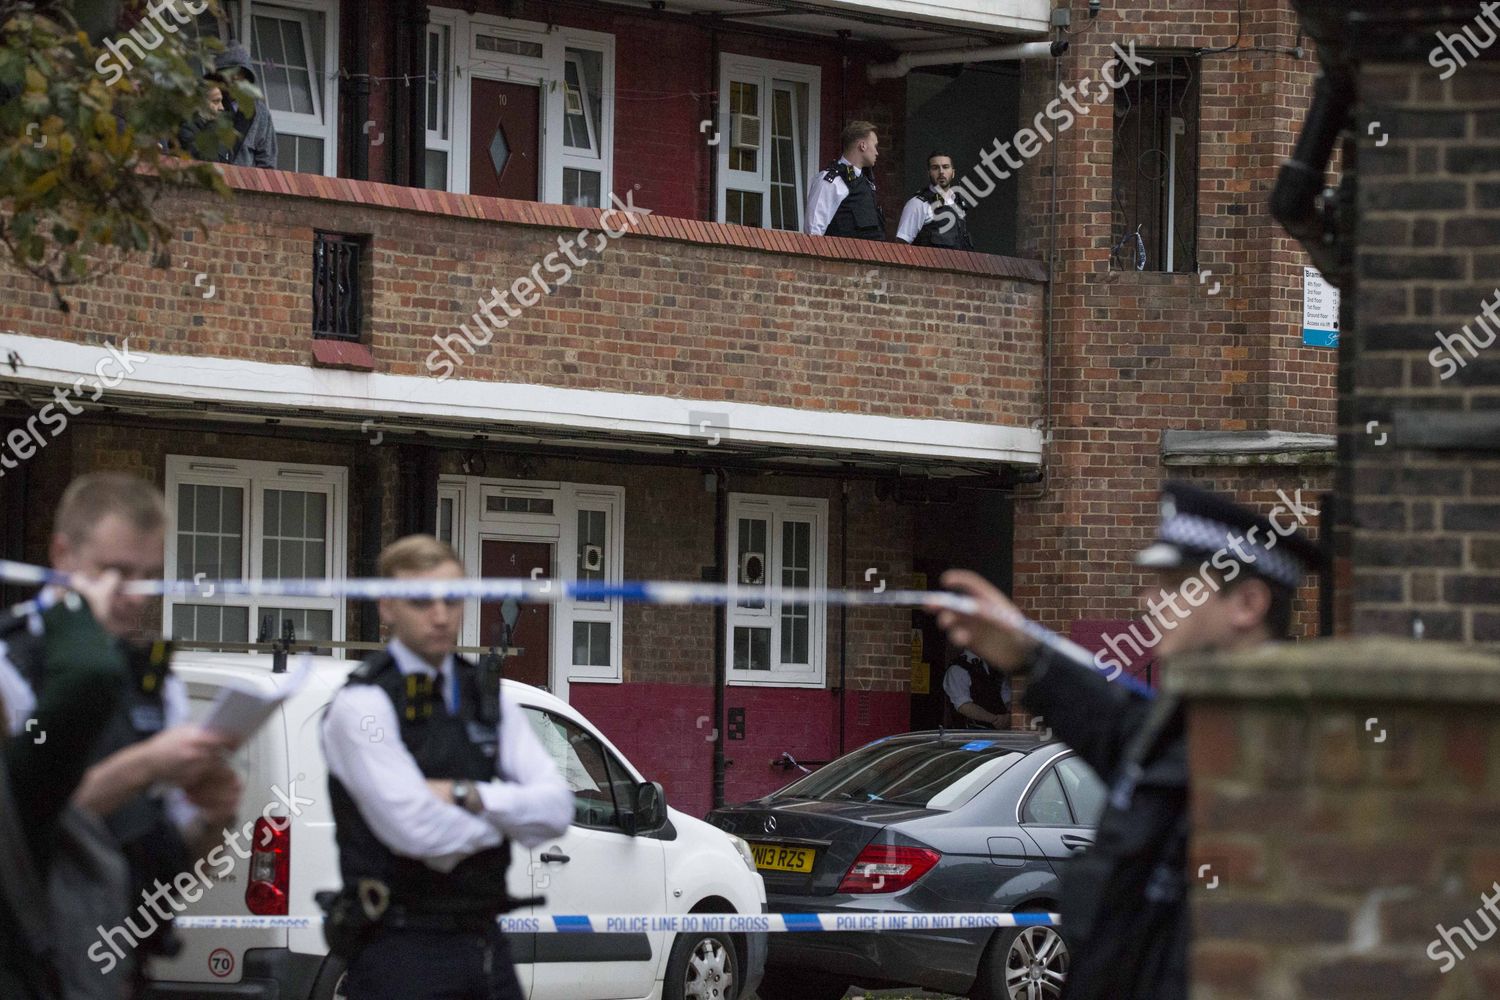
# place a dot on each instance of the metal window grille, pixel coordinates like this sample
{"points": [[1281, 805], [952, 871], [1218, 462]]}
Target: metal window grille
{"points": [[1155, 189], [336, 285]]}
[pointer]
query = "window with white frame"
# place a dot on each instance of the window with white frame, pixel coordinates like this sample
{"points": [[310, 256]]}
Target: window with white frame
{"points": [[294, 47], [776, 542], [574, 71], [439, 105], [241, 520], [768, 127]]}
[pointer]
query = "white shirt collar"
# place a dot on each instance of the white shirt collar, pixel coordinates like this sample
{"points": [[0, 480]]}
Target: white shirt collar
{"points": [[411, 663], [857, 170], [947, 195]]}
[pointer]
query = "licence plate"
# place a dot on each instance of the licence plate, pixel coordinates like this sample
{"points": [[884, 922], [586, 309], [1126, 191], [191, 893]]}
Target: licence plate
{"points": [[777, 858]]}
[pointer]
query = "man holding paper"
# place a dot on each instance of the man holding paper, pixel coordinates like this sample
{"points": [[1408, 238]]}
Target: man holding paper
{"points": [[431, 771], [157, 790]]}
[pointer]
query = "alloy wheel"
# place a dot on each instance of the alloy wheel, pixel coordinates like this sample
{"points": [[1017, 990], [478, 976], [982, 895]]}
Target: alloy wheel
{"points": [[1036, 965]]}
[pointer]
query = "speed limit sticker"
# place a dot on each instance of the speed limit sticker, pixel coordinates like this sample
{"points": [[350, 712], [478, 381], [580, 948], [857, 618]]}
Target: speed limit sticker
{"points": [[221, 962]]}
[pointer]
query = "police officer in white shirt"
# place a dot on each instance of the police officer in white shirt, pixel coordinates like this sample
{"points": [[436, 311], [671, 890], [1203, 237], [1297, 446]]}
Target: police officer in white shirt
{"points": [[431, 773], [930, 218], [842, 200]]}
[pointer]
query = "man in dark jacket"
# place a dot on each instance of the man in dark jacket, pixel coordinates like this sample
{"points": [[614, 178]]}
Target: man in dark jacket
{"points": [[257, 143], [1124, 902]]}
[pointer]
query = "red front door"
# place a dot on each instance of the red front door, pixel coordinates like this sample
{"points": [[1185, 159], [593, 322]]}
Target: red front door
{"points": [[533, 632], [505, 126]]}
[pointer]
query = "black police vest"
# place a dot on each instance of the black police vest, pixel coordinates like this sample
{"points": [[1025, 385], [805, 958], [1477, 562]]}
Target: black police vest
{"points": [[932, 234], [445, 746], [985, 687], [146, 835], [859, 214], [149, 839]]}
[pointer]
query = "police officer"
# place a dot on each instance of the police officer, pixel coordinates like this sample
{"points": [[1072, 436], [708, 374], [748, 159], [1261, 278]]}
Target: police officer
{"points": [[842, 201], [1124, 902], [978, 694], [159, 784], [431, 772], [930, 217]]}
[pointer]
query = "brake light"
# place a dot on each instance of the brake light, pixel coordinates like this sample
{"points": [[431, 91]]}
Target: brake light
{"points": [[888, 869], [270, 867]]}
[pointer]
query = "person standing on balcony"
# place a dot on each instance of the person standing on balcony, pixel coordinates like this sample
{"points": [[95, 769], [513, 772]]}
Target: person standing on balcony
{"points": [[1124, 901], [930, 218], [842, 200], [257, 143]]}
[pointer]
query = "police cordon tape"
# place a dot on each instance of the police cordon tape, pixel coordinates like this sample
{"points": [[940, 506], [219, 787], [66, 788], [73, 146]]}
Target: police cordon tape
{"points": [[548, 591], [688, 923]]}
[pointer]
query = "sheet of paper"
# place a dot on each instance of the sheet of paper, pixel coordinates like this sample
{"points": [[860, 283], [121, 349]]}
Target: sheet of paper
{"points": [[239, 711]]}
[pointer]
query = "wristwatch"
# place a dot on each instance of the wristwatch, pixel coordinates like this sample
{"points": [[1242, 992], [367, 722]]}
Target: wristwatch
{"points": [[462, 789]]}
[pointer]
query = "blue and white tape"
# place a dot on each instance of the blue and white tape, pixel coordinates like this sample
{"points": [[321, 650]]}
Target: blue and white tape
{"points": [[689, 923], [546, 591]]}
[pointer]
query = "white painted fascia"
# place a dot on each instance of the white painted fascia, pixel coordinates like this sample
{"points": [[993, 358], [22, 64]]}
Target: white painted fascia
{"points": [[417, 398]]}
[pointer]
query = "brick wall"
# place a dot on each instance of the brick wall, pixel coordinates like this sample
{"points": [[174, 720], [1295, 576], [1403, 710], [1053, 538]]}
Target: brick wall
{"points": [[775, 319], [1343, 805], [1425, 530], [1138, 353]]}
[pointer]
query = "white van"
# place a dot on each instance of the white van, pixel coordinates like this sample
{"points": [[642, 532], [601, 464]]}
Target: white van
{"points": [[685, 866]]}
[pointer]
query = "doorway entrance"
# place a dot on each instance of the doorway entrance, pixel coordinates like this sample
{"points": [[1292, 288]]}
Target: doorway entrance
{"points": [[533, 632]]}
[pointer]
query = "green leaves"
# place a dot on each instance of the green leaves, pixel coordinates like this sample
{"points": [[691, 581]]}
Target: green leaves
{"points": [[90, 143]]}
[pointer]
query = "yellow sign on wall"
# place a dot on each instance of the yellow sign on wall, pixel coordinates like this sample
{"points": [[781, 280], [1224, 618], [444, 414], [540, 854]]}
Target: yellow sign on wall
{"points": [[921, 678]]}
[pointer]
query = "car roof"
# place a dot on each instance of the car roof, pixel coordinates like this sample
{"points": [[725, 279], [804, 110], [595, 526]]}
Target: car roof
{"points": [[1021, 741]]}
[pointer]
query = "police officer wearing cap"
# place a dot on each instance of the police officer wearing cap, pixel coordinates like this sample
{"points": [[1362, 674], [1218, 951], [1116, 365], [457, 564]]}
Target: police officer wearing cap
{"points": [[1231, 574], [842, 200], [931, 218], [432, 771]]}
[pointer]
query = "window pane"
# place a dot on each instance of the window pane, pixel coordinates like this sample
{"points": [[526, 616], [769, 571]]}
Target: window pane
{"points": [[445, 519], [580, 759], [436, 178], [300, 153], [307, 623], [752, 559], [743, 208], [208, 623], [294, 542], [752, 648], [744, 99], [210, 540], [591, 548], [1084, 789], [796, 571], [1155, 168], [583, 72], [1047, 804], [437, 80], [581, 187], [591, 644], [786, 178]]}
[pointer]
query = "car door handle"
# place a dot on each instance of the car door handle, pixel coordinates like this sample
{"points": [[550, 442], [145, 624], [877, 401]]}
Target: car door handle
{"points": [[1074, 842], [556, 856]]}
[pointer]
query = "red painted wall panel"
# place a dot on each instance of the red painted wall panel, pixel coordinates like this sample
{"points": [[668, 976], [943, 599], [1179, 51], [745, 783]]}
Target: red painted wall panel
{"points": [[666, 730]]}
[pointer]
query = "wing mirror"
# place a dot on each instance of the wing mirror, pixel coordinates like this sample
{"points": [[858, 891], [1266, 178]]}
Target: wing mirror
{"points": [[650, 813]]}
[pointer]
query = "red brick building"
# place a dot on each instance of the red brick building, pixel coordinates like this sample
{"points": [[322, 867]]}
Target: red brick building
{"points": [[389, 336]]}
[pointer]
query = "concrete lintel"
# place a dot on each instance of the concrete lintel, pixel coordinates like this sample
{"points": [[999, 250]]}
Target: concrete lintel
{"points": [[1447, 431], [1246, 448], [1366, 669]]}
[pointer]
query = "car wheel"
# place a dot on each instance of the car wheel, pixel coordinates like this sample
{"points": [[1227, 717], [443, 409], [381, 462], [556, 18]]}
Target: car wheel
{"points": [[702, 967], [799, 984], [333, 980], [1027, 963]]}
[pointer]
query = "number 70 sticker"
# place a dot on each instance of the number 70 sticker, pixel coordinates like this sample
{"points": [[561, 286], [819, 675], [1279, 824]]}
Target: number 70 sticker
{"points": [[221, 962]]}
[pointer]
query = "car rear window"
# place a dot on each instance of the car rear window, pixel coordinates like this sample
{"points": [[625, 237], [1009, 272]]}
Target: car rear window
{"points": [[937, 774]]}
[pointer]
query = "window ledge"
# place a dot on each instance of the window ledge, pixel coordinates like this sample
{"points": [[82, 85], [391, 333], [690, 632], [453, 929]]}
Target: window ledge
{"points": [[572, 217], [342, 354]]}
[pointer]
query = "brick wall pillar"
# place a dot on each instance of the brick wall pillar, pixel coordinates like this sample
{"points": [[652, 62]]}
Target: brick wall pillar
{"points": [[1346, 798]]}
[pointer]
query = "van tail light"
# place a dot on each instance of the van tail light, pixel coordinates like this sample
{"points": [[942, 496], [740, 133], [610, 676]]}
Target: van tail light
{"points": [[270, 867], [888, 869]]}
